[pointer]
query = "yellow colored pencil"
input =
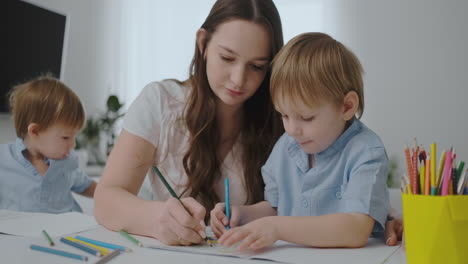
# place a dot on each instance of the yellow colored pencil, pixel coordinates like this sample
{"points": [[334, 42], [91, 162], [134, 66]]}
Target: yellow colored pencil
{"points": [[103, 251], [441, 169], [433, 165]]}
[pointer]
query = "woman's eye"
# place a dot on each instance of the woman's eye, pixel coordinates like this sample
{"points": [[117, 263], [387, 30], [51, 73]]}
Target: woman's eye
{"points": [[229, 59]]}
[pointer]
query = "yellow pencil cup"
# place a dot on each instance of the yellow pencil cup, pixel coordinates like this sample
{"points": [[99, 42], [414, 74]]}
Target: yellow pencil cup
{"points": [[436, 228]]}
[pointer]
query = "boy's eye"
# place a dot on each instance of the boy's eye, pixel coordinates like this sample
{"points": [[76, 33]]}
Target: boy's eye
{"points": [[65, 138], [258, 67], [308, 118]]}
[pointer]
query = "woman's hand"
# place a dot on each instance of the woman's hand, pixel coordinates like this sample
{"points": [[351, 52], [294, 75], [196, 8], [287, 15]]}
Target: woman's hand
{"points": [[393, 231], [181, 224], [219, 221], [254, 235]]}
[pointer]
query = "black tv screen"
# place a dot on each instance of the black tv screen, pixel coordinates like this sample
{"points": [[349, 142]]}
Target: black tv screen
{"points": [[32, 44]]}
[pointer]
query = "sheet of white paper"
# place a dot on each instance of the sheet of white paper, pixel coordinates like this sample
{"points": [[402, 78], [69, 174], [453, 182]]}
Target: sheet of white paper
{"points": [[31, 224], [375, 252]]}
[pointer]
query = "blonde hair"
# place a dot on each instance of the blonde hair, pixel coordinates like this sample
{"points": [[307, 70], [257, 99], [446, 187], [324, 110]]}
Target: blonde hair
{"points": [[45, 101], [313, 67]]}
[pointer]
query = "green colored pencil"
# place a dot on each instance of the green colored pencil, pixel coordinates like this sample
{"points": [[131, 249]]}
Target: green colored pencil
{"points": [[129, 237], [161, 177], [51, 243]]}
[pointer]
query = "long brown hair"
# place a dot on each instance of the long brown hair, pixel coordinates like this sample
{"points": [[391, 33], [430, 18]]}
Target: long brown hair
{"points": [[261, 124]]}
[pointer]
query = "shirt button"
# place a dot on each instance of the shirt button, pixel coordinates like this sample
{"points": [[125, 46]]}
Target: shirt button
{"points": [[305, 204], [338, 195]]}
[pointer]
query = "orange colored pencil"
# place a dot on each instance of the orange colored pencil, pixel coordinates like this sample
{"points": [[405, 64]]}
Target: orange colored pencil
{"points": [[412, 181]]}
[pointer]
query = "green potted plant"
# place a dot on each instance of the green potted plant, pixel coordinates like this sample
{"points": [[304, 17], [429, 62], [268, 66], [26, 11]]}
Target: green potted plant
{"points": [[98, 134]]}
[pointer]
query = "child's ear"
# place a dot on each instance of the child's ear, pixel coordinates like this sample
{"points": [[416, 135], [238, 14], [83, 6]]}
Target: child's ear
{"points": [[350, 105], [33, 130], [201, 41]]}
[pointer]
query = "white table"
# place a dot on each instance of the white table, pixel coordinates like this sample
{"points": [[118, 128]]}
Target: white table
{"points": [[15, 249]]}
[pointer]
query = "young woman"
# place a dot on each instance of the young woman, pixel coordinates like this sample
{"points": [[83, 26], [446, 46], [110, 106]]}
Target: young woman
{"points": [[218, 124]]}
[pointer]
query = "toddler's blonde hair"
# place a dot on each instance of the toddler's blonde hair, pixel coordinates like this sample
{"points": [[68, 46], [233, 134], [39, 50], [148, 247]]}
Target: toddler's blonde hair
{"points": [[45, 101]]}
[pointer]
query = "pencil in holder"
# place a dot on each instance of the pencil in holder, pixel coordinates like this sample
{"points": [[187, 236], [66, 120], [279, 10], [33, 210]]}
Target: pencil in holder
{"points": [[436, 228]]}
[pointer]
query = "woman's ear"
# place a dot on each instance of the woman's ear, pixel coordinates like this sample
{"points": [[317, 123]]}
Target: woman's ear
{"points": [[350, 105], [201, 41], [33, 130]]}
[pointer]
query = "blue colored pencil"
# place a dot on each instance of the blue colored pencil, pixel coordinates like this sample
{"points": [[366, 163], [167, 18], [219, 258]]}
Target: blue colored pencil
{"points": [[90, 250], [103, 244], [226, 199], [59, 252]]}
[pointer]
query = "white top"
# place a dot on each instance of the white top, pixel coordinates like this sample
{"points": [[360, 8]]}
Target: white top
{"points": [[155, 116]]}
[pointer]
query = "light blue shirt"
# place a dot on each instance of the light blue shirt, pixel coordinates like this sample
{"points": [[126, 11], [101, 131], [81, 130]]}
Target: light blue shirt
{"points": [[22, 188], [349, 176]]}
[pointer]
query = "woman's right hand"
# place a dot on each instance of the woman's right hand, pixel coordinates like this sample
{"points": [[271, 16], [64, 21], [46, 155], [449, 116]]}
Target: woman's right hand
{"points": [[179, 224], [219, 221]]}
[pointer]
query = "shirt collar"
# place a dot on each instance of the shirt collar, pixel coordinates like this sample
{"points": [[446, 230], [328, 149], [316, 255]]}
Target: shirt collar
{"points": [[302, 158], [339, 143], [19, 148]]}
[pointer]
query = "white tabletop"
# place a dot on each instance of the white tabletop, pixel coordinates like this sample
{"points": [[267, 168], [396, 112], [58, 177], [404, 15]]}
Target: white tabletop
{"points": [[15, 249]]}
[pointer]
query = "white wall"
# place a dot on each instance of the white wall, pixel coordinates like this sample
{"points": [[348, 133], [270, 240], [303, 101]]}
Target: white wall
{"points": [[413, 53], [415, 58]]}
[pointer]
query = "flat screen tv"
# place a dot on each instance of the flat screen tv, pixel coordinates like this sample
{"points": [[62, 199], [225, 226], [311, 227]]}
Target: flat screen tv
{"points": [[32, 44]]}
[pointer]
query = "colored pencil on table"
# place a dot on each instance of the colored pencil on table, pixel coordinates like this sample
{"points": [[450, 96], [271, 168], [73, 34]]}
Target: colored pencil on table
{"points": [[85, 248], [108, 257], [104, 251], [129, 237], [58, 252], [103, 244], [51, 243]]}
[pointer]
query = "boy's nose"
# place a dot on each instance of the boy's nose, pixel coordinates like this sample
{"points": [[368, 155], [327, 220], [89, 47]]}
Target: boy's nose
{"points": [[293, 129]]}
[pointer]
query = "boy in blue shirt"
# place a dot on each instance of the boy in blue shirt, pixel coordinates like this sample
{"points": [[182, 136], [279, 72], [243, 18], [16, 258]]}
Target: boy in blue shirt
{"points": [[325, 180], [40, 169]]}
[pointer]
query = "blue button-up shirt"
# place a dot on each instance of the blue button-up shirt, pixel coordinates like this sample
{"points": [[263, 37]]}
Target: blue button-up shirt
{"points": [[22, 188], [349, 176]]}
